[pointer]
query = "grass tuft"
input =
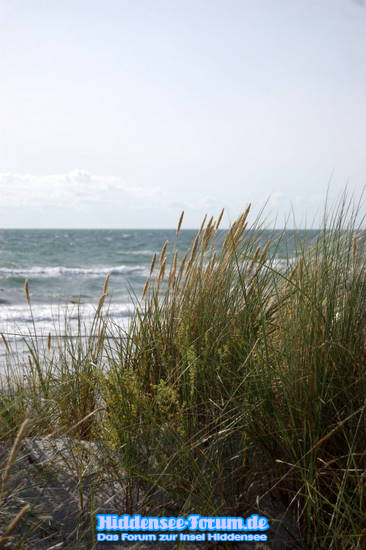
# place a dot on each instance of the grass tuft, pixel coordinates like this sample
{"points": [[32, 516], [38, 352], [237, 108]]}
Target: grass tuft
{"points": [[239, 382]]}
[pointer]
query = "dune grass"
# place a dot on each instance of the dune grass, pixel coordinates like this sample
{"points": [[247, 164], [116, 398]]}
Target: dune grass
{"points": [[238, 383]]}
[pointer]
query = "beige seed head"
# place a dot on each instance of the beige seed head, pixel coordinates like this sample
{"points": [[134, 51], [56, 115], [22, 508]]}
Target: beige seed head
{"points": [[26, 291], [246, 212], [146, 287], [210, 223], [202, 224], [162, 270], [163, 254], [106, 284], [101, 303], [180, 222], [219, 219], [230, 234], [194, 247], [175, 262], [152, 264]]}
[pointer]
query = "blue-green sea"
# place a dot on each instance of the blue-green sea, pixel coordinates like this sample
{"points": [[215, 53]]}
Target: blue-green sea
{"points": [[66, 270]]}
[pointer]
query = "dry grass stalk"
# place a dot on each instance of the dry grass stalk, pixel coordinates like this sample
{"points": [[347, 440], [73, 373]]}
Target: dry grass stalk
{"points": [[182, 266], [211, 263], [264, 253], [260, 262], [354, 248], [11, 458], [194, 247], [192, 278], [180, 223], [189, 267], [100, 341], [4, 538], [5, 343], [298, 269], [173, 270], [253, 261], [193, 253]]}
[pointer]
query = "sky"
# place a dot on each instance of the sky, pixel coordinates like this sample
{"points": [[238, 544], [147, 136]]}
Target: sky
{"points": [[121, 114]]}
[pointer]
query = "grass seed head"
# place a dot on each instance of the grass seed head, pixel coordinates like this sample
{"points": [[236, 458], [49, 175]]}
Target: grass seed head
{"points": [[152, 264], [219, 219], [162, 270], [163, 254], [106, 284], [180, 223], [146, 287], [26, 291], [202, 224]]}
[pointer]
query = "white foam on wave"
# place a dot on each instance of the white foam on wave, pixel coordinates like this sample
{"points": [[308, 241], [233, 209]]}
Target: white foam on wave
{"points": [[59, 271], [16, 321], [138, 252]]}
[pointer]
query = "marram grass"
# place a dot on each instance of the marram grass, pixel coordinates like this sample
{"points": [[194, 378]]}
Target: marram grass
{"points": [[235, 382]]}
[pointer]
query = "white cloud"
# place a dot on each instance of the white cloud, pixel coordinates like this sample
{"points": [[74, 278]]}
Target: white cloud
{"points": [[71, 189]]}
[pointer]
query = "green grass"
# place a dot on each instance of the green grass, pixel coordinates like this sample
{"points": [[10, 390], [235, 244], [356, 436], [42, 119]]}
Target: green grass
{"points": [[235, 382]]}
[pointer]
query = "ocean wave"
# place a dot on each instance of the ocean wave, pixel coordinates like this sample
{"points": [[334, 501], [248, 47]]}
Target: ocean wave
{"points": [[138, 252], [60, 271], [47, 312], [16, 321]]}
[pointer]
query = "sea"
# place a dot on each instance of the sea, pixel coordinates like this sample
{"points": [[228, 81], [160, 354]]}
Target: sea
{"points": [[66, 269]]}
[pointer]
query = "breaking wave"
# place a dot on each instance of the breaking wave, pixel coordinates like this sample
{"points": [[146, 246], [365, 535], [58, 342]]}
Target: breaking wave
{"points": [[60, 271]]}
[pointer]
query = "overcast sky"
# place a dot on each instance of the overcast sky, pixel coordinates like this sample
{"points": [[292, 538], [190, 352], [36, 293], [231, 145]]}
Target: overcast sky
{"points": [[121, 113]]}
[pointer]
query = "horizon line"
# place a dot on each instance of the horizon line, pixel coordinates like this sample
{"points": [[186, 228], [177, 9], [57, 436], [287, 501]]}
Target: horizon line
{"points": [[149, 229]]}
